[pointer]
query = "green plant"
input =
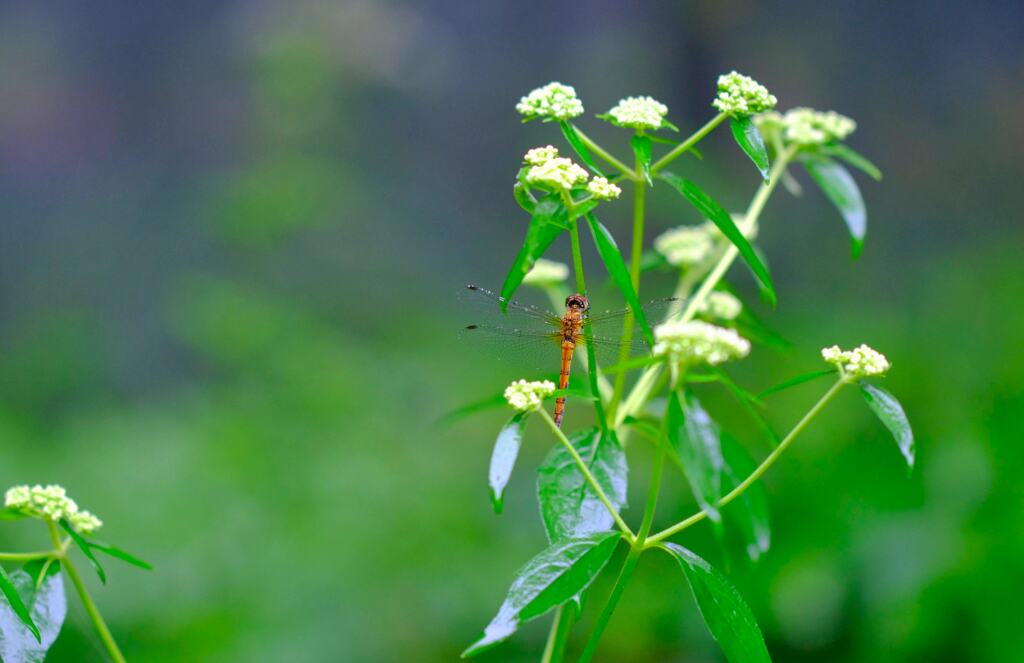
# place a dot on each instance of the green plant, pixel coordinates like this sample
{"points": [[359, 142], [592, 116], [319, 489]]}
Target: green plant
{"points": [[582, 482], [33, 612]]}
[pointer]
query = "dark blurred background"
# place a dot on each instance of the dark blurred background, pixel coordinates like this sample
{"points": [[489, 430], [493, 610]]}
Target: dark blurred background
{"points": [[232, 243]]}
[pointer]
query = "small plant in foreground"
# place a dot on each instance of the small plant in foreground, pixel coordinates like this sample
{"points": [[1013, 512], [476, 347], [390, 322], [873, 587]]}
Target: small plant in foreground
{"points": [[33, 612], [581, 485]]}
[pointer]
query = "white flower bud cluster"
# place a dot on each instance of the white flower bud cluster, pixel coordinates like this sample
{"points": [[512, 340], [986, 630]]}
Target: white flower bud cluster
{"points": [[721, 305], [528, 396], [554, 101], [546, 272], [50, 503], [540, 155], [639, 113], [742, 95], [686, 246], [698, 342], [861, 362], [555, 173], [602, 189], [806, 126]]}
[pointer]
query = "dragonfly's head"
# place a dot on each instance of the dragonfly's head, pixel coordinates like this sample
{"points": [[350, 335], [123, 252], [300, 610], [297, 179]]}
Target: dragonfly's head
{"points": [[577, 302]]}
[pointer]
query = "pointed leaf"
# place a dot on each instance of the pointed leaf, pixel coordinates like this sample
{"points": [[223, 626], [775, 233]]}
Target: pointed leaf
{"points": [[714, 212], [889, 410], [83, 545], [839, 186], [11, 514], [749, 139], [578, 146], [523, 196], [694, 437], [642, 150], [800, 379], [749, 511], [726, 614], [16, 605], [854, 158], [568, 505], [122, 555], [546, 224], [553, 577], [616, 266], [506, 449], [48, 608]]}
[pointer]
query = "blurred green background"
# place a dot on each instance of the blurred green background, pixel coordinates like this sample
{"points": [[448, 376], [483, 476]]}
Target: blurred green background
{"points": [[233, 239]]}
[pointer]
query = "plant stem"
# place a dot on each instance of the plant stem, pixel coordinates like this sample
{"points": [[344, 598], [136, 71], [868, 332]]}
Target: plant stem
{"points": [[636, 251], [613, 600], [588, 475], [554, 650], [83, 594], [604, 154], [25, 557], [581, 287], [757, 473], [688, 143]]}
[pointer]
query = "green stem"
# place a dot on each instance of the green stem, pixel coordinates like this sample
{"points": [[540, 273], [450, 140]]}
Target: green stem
{"points": [[757, 473], [25, 557], [613, 600], [588, 475], [639, 200], [554, 650], [581, 287], [83, 594], [688, 143], [601, 152]]}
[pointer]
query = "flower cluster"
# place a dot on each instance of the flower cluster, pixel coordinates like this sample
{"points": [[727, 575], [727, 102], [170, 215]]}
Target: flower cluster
{"points": [[528, 396], [550, 171], [742, 95], [861, 362], [638, 113], [721, 305], [50, 503], [686, 246], [554, 101], [546, 272], [806, 126], [602, 189], [698, 342]]}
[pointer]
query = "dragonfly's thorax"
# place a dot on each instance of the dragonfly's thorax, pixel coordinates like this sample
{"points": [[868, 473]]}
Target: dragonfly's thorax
{"points": [[572, 324]]}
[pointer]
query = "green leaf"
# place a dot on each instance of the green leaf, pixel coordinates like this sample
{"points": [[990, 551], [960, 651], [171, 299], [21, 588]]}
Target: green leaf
{"points": [[522, 194], [642, 150], [577, 144], [16, 605], [616, 266], [749, 139], [726, 614], [553, 577], [506, 449], [122, 555], [839, 186], [800, 379], [463, 411], [694, 438], [546, 224], [47, 607], [852, 157], [11, 514], [749, 511], [568, 505], [889, 410], [716, 214], [83, 545]]}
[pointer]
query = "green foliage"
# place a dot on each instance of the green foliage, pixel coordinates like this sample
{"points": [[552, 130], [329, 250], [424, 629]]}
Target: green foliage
{"points": [[30, 624], [503, 459], [840, 188], [891, 413], [749, 139], [549, 220]]}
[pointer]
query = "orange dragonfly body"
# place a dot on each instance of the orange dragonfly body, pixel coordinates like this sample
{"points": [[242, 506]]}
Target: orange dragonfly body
{"points": [[533, 331]]}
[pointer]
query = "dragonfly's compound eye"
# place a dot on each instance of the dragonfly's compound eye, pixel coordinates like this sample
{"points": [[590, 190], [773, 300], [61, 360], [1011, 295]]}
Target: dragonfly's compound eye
{"points": [[577, 301]]}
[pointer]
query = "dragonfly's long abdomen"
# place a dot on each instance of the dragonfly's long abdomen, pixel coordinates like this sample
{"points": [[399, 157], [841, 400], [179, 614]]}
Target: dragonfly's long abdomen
{"points": [[563, 379]]}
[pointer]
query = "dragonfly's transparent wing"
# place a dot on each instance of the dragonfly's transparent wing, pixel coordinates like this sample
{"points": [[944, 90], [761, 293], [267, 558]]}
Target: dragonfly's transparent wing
{"points": [[488, 305], [609, 324], [531, 349]]}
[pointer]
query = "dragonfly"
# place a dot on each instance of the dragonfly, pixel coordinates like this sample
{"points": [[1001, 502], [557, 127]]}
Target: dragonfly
{"points": [[535, 333]]}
